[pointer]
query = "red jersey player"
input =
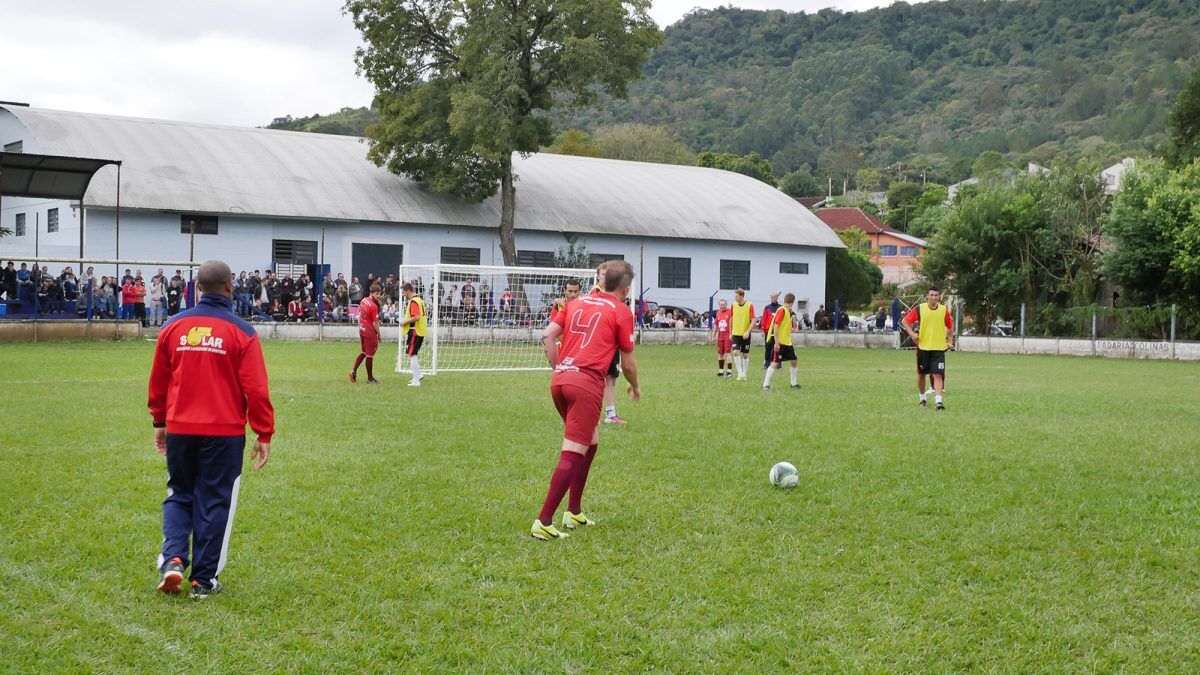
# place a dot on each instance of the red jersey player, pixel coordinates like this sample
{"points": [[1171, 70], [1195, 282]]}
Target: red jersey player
{"points": [[571, 291], [368, 334], [591, 328], [722, 336]]}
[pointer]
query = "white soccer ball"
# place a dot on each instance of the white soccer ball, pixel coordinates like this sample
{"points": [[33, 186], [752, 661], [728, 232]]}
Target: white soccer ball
{"points": [[784, 475]]}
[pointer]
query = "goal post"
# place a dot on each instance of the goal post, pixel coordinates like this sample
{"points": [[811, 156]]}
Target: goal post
{"points": [[483, 317]]}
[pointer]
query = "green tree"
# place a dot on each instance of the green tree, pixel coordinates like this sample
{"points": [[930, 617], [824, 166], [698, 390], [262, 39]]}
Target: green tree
{"points": [[987, 164], [574, 255], [461, 86], [574, 142], [850, 276], [871, 180], [642, 143], [1154, 232], [1183, 124], [751, 164], [902, 201], [800, 183]]}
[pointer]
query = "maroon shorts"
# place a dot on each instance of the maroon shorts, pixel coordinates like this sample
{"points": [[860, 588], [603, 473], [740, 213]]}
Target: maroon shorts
{"points": [[724, 344], [580, 405], [369, 342]]}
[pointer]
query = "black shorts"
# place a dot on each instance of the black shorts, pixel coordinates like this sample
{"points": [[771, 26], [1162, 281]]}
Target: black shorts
{"points": [[741, 344], [614, 368], [413, 343], [931, 362], [785, 353]]}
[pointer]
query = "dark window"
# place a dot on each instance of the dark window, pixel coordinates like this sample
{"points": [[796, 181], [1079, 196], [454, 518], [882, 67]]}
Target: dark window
{"points": [[19, 230], [454, 255], [674, 272], [910, 251], [793, 268], [15, 146], [52, 220], [735, 274], [887, 250], [596, 258], [203, 224], [535, 258], [293, 252]]}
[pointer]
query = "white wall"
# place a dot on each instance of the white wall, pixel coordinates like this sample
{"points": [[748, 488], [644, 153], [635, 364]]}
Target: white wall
{"points": [[245, 243]]}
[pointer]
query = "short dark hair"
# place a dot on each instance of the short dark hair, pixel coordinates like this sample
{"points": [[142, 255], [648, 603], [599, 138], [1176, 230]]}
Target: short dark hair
{"points": [[934, 287], [573, 282], [617, 274], [376, 288], [407, 286]]}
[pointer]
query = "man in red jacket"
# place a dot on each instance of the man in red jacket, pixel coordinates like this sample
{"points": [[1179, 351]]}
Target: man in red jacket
{"points": [[208, 378]]}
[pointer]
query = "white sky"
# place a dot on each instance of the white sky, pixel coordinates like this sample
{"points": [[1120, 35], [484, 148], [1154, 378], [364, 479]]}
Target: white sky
{"points": [[241, 62]]}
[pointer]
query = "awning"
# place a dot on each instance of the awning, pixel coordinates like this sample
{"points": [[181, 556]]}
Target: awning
{"points": [[24, 174]]}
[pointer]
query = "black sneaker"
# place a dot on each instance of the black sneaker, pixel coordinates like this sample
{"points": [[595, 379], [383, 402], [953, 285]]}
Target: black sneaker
{"points": [[795, 386], [200, 591], [939, 406], [172, 576], [720, 374], [372, 381], [922, 404]]}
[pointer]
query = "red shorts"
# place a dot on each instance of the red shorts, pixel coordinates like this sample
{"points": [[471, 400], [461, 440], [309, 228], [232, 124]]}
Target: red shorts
{"points": [[580, 404], [369, 342], [724, 344]]}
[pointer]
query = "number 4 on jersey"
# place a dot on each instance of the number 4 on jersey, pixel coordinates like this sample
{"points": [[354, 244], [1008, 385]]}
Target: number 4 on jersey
{"points": [[584, 329]]}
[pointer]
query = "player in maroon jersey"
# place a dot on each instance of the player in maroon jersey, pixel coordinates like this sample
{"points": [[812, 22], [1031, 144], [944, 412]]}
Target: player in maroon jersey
{"points": [[723, 338], [592, 328], [368, 334]]}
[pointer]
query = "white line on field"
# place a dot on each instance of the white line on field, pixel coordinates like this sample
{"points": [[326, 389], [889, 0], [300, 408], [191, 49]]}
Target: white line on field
{"points": [[28, 573]]}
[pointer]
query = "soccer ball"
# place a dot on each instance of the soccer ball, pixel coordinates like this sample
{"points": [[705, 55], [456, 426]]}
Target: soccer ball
{"points": [[784, 475]]}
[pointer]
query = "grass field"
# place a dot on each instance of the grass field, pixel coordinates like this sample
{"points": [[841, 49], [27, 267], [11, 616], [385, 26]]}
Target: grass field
{"points": [[1047, 521]]}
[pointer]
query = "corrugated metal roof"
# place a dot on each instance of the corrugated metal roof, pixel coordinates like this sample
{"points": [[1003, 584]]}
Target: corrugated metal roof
{"points": [[184, 166]]}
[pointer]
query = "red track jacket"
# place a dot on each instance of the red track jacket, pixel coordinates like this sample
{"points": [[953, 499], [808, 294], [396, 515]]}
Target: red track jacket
{"points": [[208, 375]]}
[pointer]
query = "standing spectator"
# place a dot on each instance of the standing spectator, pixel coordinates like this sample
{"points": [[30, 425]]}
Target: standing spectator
{"points": [[392, 288], [843, 321], [271, 285], [287, 290], [161, 276], [8, 282], [128, 296], [201, 429], [328, 287], [468, 294], [158, 297], [768, 317], [356, 292], [241, 295], [341, 279], [174, 295], [880, 319], [178, 277], [139, 300], [127, 278]]}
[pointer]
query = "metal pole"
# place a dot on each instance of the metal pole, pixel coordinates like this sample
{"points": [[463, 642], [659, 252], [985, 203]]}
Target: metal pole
{"points": [[117, 254], [1174, 308], [1022, 319], [437, 320], [1093, 324]]}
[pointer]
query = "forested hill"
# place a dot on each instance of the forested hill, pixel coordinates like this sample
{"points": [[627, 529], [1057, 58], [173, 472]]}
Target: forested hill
{"points": [[930, 85], [956, 78]]}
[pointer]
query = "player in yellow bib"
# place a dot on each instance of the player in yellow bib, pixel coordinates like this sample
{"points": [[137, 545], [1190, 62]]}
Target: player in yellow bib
{"points": [[741, 324], [417, 324], [933, 337], [781, 333]]}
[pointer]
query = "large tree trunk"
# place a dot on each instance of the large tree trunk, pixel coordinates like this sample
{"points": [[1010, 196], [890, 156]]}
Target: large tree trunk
{"points": [[508, 212]]}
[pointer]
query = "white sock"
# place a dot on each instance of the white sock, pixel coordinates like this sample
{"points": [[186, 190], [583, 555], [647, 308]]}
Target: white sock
{"points": [[795, 375], [610, 411], [921, 396], [745, 365], [416, 367], [767, 379], [937, 399]]}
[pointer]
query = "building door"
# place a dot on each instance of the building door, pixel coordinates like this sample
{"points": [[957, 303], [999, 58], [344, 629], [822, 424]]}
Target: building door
{"points": [[378, 259]]}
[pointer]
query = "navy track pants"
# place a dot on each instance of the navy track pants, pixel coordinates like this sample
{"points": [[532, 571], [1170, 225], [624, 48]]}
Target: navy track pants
{"points": [[202, 487]]}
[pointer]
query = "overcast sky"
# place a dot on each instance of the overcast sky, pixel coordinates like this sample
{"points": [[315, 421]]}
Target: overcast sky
{"points": [[241, 62]]}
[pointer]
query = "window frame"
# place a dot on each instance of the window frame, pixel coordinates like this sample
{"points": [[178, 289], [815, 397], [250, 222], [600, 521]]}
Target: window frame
{"points": [[733, 273], [20, 225], [675, 275], [52, 223], [535, 258], [457, 252], [202, 224], [795, 267], [885, 248]]}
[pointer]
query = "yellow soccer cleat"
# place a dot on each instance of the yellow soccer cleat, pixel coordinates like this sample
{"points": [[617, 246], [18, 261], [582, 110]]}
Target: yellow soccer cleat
{"points": [[546, 532], [574, 520]]}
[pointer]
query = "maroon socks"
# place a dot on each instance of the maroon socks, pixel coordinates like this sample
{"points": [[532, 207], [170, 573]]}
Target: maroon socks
{"points": [[560, 482], [579, 480]]}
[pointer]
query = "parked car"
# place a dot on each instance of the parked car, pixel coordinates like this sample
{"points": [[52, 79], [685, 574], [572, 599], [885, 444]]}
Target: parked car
{"points": [[691, 316]]}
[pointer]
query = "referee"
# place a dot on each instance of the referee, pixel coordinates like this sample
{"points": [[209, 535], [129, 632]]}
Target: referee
{"points": [[207, 380]]}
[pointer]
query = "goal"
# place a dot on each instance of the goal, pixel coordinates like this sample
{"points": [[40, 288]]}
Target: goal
{"points": [[484, 317]]}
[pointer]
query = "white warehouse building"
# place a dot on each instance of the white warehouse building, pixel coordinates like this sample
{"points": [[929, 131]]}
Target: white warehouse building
{"points": [[266, 199]]}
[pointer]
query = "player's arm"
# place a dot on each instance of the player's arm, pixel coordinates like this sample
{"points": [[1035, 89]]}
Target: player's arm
{"points": [[629, 370], [160, 383], [252, 376], [907, 323], [949, 329], [550, 341]]}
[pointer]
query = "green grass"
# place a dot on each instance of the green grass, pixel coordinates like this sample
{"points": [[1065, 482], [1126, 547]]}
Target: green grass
{"points": [[1047, 521]]}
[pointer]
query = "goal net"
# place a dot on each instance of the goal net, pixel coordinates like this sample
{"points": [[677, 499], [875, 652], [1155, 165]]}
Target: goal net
{"points": [[485, 317]]}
